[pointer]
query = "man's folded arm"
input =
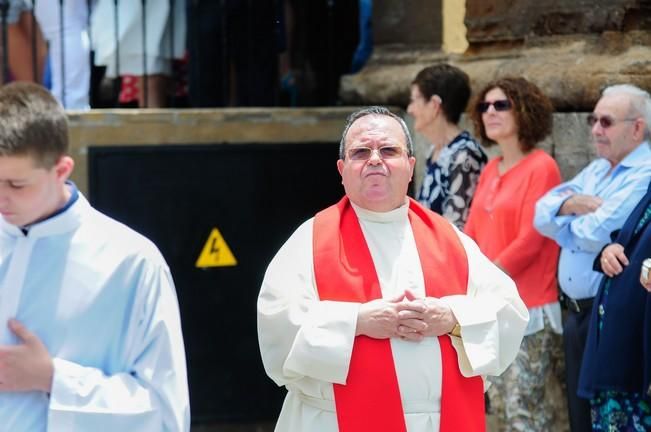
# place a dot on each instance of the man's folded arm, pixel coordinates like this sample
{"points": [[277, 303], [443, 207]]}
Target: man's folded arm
{"points": [[590, 232], [547, 219]]}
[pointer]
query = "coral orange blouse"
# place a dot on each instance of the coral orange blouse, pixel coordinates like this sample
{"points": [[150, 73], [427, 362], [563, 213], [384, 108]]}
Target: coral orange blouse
{"points": [[501, 222]]}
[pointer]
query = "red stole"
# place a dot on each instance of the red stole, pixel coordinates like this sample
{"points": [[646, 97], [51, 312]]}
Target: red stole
{"points": [[344, 271]]}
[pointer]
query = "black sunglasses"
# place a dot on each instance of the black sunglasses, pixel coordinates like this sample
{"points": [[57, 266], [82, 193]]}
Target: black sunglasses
{"points": [[365, 153], [604, 121], [499, 105]]}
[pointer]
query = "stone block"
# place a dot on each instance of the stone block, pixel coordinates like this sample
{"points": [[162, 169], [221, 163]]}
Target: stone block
{"points": [[488, 21], [416, 22], [571, 70]]}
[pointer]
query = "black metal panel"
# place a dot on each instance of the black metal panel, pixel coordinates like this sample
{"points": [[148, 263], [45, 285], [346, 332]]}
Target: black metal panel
{"points": [[256, 195]]}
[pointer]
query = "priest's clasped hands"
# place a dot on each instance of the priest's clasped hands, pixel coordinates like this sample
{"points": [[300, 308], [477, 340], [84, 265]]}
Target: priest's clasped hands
{"points": [[405, 317]]}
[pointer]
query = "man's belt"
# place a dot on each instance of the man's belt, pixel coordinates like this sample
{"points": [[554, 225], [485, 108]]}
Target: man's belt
{"points": [[574, 305]]}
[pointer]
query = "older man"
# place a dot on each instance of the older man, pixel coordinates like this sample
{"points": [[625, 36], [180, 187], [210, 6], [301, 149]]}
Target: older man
{"points": [[581, 213], [377, 314]]}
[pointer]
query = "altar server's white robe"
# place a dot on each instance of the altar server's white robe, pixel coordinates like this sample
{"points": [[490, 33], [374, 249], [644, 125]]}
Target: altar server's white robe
{"points": [[306, 344], [101, 299]]}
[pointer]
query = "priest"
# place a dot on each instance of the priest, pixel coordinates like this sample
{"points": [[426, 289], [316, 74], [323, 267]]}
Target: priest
{"points": [[377, 314]]}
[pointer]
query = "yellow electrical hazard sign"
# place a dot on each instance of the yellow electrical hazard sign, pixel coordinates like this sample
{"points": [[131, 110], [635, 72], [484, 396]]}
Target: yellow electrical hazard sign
{"points": [[216, 252]]}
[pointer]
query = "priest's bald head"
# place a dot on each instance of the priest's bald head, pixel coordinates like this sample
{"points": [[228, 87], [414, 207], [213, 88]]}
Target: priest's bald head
{"points": [[376, 160]]}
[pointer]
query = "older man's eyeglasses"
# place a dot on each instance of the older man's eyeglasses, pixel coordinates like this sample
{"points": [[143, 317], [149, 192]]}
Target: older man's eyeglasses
{"points": [[499, 105], [365, 153], [605, 121]]}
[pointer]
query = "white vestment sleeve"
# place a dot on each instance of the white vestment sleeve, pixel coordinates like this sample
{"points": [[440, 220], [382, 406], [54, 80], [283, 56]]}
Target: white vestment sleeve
{"points": [[492, 316], [299, 335], [151, 394]]}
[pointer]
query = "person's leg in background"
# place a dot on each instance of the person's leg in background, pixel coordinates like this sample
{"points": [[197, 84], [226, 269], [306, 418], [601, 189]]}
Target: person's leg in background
{"points": [[74, 92], [520, 398], [163, 24], [157, 91], [207, 75], [19, 44], [575, 333]]}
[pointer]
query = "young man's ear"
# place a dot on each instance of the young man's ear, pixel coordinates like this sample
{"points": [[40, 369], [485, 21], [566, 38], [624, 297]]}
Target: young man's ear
{"points": [[63, 167]]}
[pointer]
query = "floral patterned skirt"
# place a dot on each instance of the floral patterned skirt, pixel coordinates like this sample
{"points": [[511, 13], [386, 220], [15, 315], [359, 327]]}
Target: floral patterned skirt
{"points": [[620, 412]]}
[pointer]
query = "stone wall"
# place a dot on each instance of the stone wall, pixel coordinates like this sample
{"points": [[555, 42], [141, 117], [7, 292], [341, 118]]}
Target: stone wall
{"points": [[415, 22], [570, 48], [490, 21]]}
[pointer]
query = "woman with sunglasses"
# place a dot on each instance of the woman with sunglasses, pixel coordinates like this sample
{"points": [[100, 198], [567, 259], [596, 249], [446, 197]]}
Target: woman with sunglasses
{"points": [[514, 114], [439, 95]]}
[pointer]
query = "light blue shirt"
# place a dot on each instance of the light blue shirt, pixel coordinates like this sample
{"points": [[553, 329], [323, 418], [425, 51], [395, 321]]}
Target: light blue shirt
{"points": [[581, 237], [101, 299]]}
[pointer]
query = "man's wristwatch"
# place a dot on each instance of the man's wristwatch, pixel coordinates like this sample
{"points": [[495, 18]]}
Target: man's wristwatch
{"points": [[456, 330]]}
